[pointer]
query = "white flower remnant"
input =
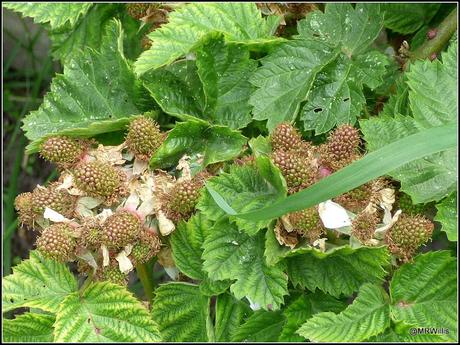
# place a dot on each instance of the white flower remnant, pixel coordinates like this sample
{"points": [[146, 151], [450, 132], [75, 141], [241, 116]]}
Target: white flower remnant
{"points": [[333, 215]]}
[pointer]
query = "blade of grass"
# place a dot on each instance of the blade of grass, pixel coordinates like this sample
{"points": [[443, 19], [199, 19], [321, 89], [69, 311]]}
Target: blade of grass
{"points": [[373, 165]]}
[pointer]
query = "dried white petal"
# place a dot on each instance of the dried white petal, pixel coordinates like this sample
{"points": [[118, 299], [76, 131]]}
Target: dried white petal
{"points": [[184, 165], [106, 213], [379, 233], [166, 225], [105, 256], [147, 207], [286, 223], [172, 272], [124, 263], [333, 215], [54, 216], [66, 183], [139, 166], [88, 257], [320, 244]]}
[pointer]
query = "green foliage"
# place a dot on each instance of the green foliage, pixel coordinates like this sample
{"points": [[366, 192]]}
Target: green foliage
{"points": [[433, 100], [340, 271], [181, 312], [368, 315], [37, 283], [57, 15], [214, 88], [230, 314], [231, 254], [96, 94], [239, 22], [447, 215], [212, 142], [408, 18], [424, 294], [29, 328], [88, 316], [262, 326]]}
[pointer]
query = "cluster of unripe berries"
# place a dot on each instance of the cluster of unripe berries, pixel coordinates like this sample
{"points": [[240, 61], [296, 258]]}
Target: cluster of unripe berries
{"points": [[302, 164], [95, 240]]}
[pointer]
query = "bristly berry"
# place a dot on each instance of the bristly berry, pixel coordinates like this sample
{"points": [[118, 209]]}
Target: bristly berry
{"points": [[56, 199], [92, 234], [98, 179], [357, 199], [137, 10], [295, 168], [364, 225], [120, 229], [407, 235], [182, 199], [307, 223], [23, 205], [144, 137], [56, 242], [285, 137], [148, 246], [63, 151], [112, 274], [406, 205], [341, 148]]}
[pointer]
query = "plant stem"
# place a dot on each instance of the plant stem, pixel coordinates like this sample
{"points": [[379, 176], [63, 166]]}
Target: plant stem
{"points": [[146, 280], [445, 30]]}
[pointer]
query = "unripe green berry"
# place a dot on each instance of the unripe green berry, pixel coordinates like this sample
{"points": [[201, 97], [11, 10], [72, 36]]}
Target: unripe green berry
{"points": [[144, 137], [295, 169], [407, 235], [112, 274], [183, 198], [364, 225], [98, 179], [307, 223], [23, 205], [57, 242], [58, 200], [120, 229], [407, 206], [148, 246], [285, 137], [62, 150]]}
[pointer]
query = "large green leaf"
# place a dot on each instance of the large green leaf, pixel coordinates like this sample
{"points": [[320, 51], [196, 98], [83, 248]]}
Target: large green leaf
{"points": [[29, 328], [56, 14], [340, 271], [407, 18], [181, 312], [230, 314], [447, 215], [231, 254], [424, 293], [96, 94], [104, 312], [215, 88], [239, 22], [341, 25], [433, 100], [245, 188], [285, 79], [37, 283], [369, 315], [214, 143], [262, 326]]}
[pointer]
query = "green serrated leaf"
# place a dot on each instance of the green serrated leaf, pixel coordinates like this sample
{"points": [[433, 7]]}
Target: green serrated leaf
{"points": [[447, 215], [433, 100], [424, 293], [340, 271], [29, 328], [239, 22], [214, 143], [181, 312], [231, 254], [392, 336], [230, 314], [104, 312], [262, 326], [215, 89], [56, 14], [96, 94], [285, 79], [260, 146], [341, 25], [210, 287], [407, 18], [398, 103], [368, 315], [37, 283], [243, 189]]}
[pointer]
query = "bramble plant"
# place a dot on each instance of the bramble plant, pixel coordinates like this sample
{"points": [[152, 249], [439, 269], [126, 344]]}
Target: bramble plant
{"points": [[243, 149]]}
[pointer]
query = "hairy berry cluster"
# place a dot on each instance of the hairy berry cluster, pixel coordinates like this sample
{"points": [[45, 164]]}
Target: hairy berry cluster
{"points": [[341, 148], [137, 10], [63, 151], [148, 246], [407, 206], [363, 226], [407, 235], [307, 223], [182, 198], [120, 229], [144, 137], [57, 242]]}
